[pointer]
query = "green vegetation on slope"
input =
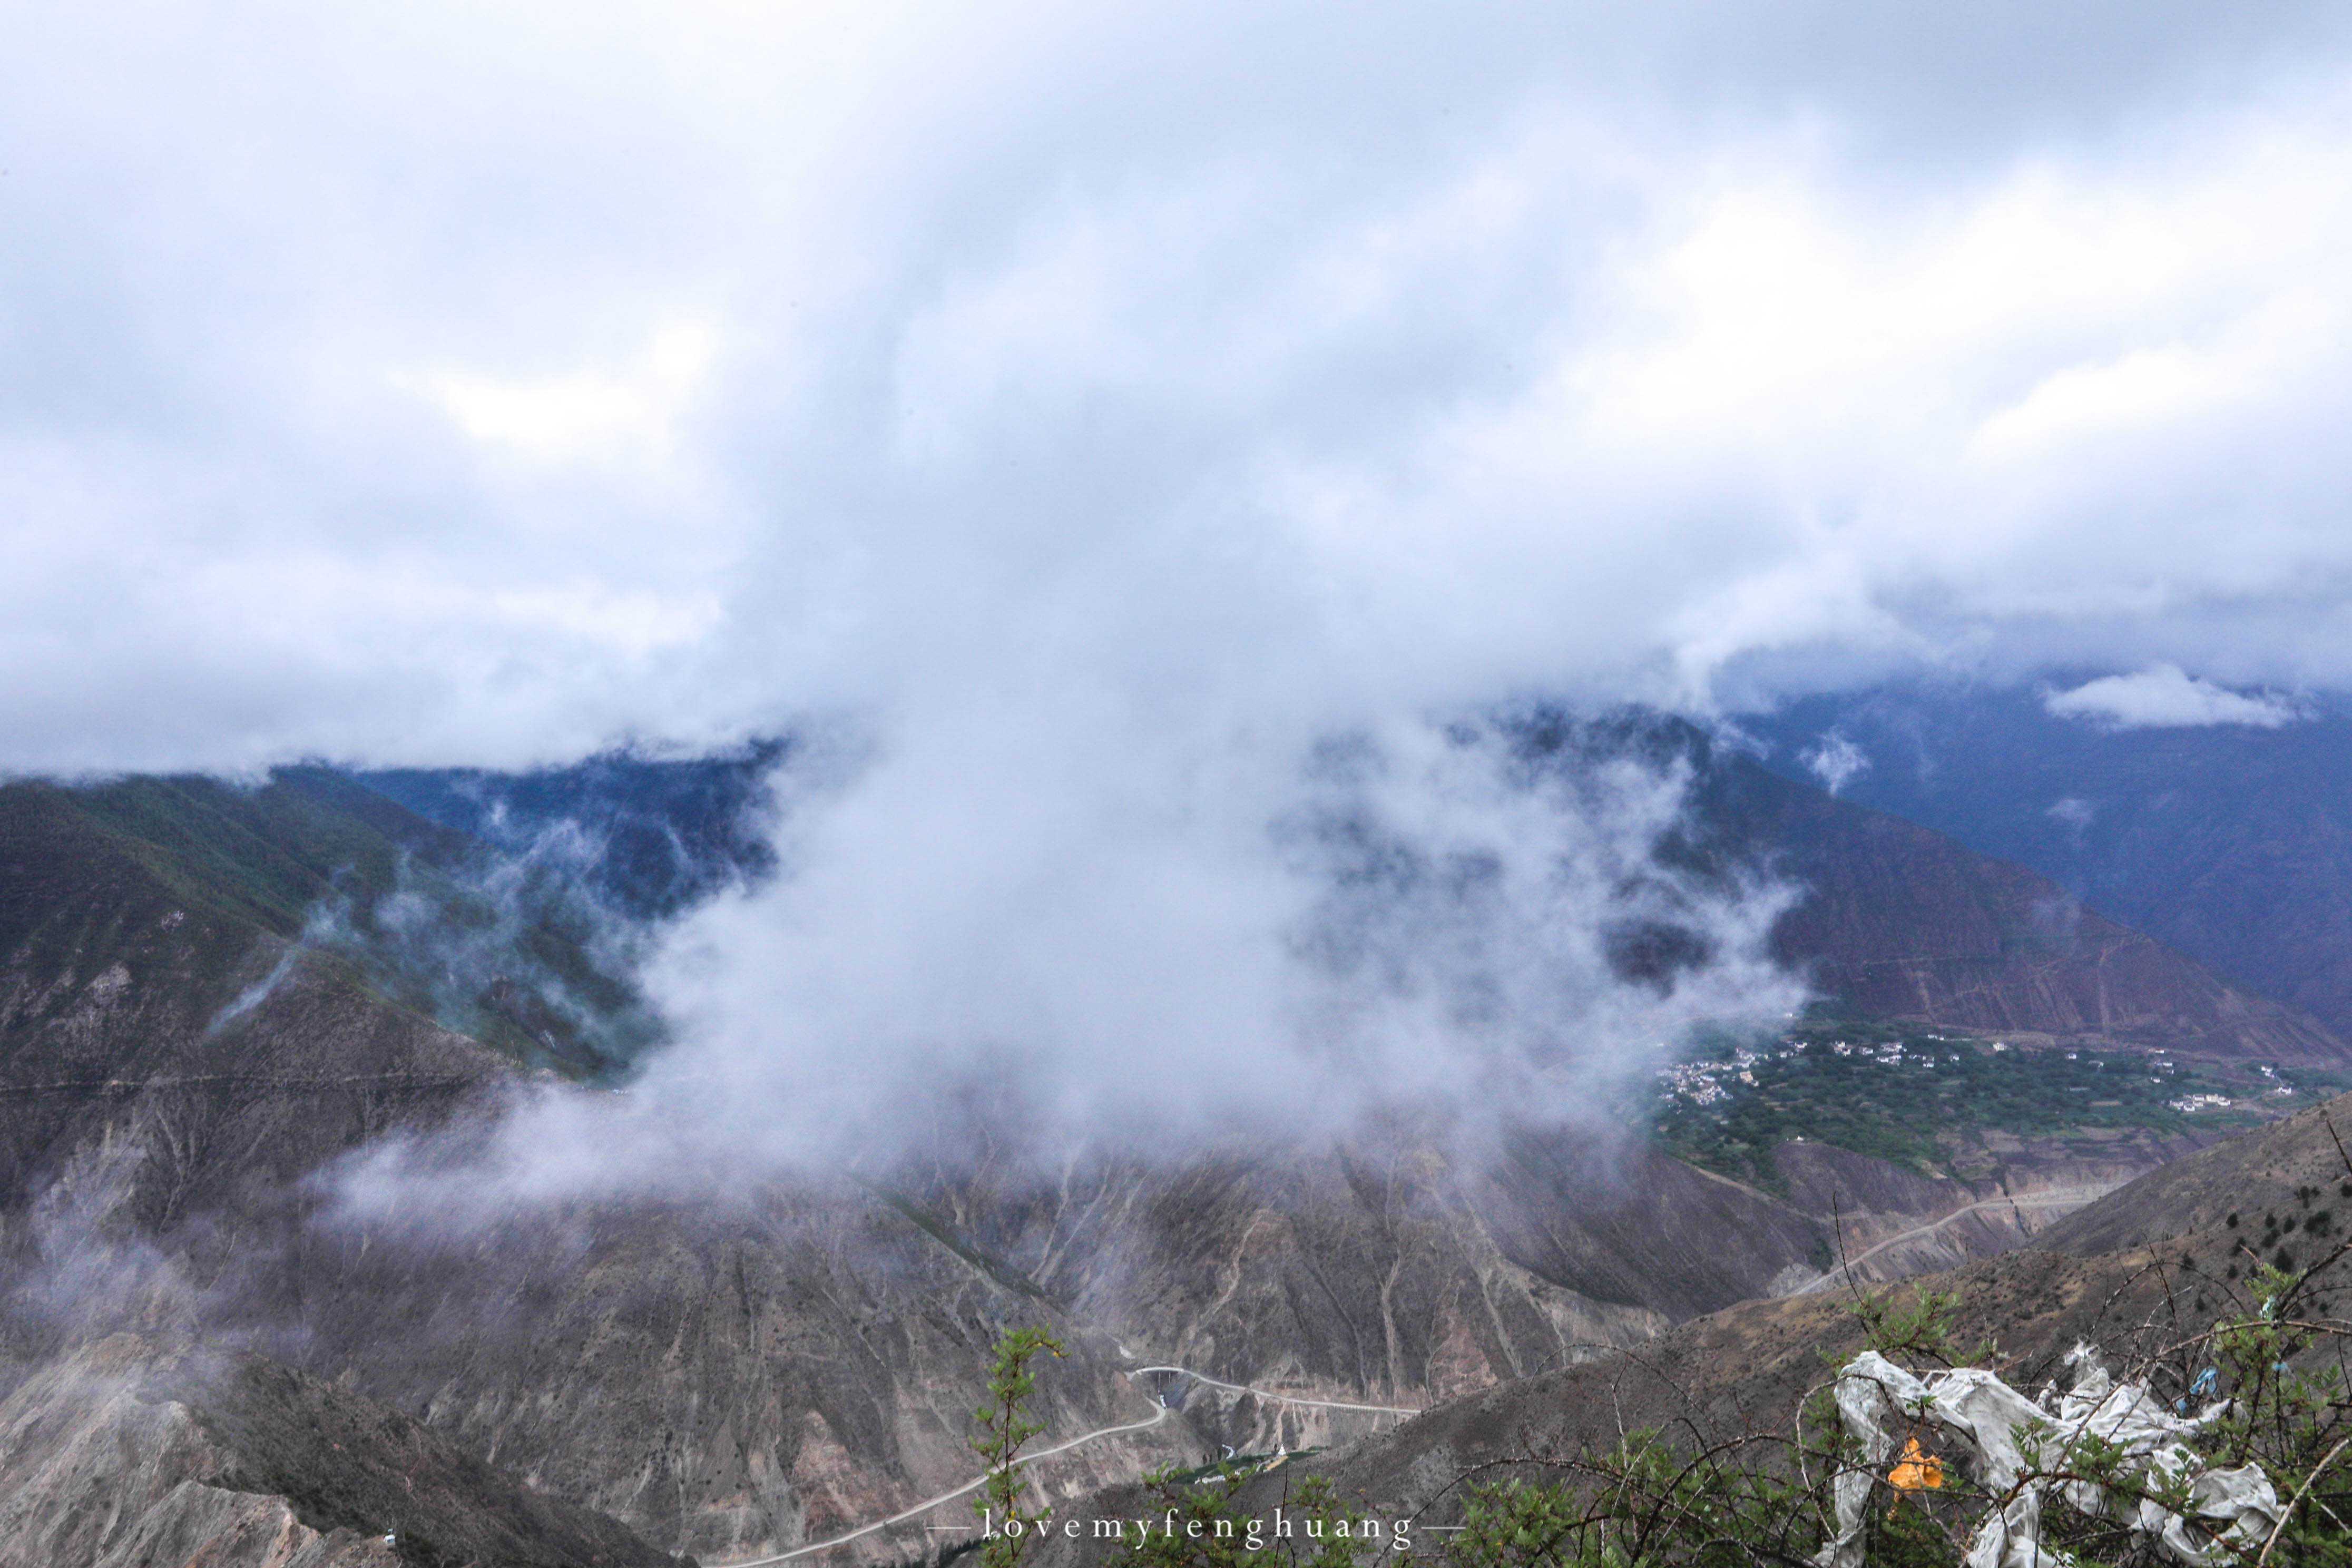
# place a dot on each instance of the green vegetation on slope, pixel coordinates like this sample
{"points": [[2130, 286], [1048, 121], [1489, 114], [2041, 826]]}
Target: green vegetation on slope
{"points": [[1889, 1090], [493, 945], [268, 856]]}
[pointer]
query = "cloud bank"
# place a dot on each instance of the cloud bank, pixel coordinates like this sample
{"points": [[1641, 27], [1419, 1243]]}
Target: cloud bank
{"points": [[1088, 418], [1453, 929], [2164, 697], [484, 384]]}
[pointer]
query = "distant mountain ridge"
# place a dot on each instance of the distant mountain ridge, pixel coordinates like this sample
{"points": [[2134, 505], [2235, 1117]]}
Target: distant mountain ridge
{"points": [[1901, 922], [655, 834], [2231, 843], [494, 945]]}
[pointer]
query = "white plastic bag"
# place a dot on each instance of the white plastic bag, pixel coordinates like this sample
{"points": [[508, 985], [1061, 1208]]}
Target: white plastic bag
{"points": [[2009, 1444]]}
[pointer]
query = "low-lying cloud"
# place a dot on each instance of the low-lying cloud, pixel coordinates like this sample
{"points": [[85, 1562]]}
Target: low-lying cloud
{"points": [[1835, 762], [1454, 927], [2164, 697]]}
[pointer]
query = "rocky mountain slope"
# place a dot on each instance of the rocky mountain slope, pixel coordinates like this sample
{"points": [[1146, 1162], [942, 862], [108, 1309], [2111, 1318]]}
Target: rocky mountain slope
{"points": [[1902, 921], [2231, 843], [2160, 1246], [740, 1380], [126, 1456], [186, 880], [2129, 1270], [2286, 1182], [728, 1379], [745, 1382]]}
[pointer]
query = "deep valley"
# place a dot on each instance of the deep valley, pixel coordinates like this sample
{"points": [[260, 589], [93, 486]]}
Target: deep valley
{"points": [[188, 1049]]}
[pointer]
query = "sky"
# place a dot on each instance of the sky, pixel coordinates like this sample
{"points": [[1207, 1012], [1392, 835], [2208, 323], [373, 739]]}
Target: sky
{"points": [[418, 384], [1080, 414]]}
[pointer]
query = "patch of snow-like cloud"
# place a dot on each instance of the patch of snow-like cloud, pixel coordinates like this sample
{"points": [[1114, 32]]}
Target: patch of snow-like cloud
{"points": [[2164, 697], [2072, 813], [1836, 761]]}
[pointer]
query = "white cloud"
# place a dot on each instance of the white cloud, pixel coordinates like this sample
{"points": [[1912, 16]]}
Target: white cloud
{"points": [[2073, 812], [1466, 366], [2142, 386], [2164, 697], [1836, 761], [1100, 407], [583, 414]]}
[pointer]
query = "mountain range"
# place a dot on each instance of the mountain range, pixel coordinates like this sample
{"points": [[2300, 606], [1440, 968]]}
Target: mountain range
{"points": [[2231, 843], [211, 994]]}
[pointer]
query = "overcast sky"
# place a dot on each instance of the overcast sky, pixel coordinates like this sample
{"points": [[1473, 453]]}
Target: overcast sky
{"points": [[1078, 413], [486, 383]]}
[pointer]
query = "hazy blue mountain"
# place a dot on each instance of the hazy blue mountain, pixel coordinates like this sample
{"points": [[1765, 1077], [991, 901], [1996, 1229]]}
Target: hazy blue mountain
{"points": [[515, 953], [651, 836], [2231, 842]]}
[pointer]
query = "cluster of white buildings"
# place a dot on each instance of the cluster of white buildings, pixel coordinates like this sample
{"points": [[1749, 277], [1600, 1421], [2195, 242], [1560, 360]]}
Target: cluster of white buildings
{"points": [[1709, 1082], [1702, 1083]]}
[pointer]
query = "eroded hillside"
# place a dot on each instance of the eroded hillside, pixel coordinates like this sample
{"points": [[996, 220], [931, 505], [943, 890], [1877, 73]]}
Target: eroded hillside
{"points": [[183, 1072]]}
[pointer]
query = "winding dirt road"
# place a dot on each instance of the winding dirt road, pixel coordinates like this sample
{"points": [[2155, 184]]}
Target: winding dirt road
{"points": [[1159, 1413], [1284, 1398], [2070, 1197], [2056, 1197]]}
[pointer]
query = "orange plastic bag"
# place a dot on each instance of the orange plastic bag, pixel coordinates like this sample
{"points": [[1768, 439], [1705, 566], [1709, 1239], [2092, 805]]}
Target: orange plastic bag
{"points": [[1917, 1470]]}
